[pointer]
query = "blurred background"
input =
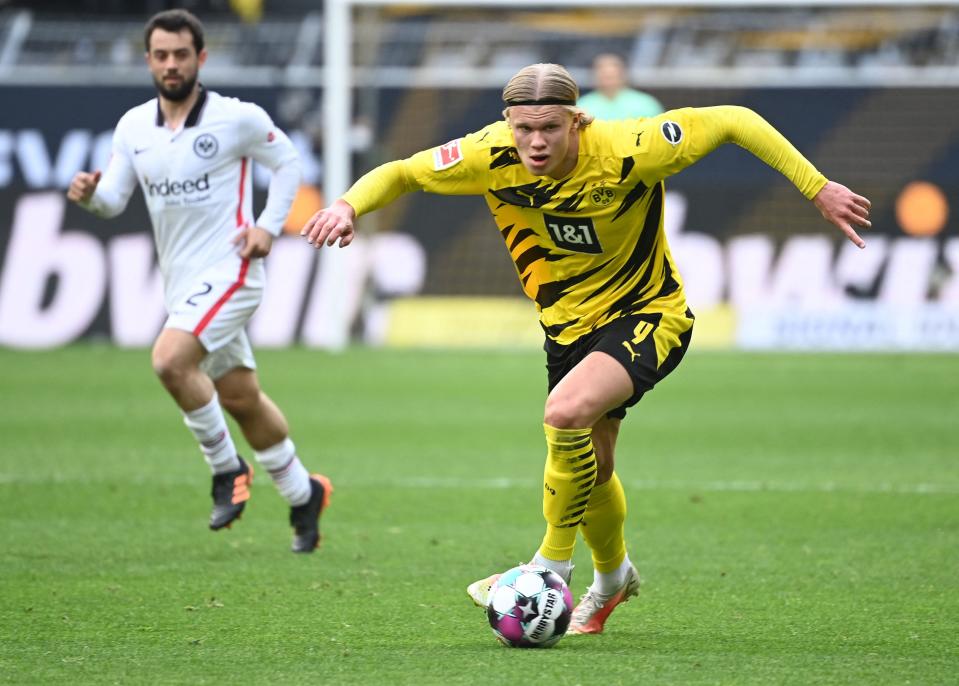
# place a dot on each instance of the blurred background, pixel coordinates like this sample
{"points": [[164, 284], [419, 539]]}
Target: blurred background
{"points": [[868, 92]]}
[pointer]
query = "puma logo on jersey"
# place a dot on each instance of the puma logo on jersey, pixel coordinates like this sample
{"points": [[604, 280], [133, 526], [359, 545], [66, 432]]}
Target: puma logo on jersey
{"points": [[529, 196], [642, 330], [445, 156]]}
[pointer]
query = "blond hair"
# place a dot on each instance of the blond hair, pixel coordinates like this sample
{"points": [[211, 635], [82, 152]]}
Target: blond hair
{"points": [[544, 84]]}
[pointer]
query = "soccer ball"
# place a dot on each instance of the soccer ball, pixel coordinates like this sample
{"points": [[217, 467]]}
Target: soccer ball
{"points": [[529, 607]]}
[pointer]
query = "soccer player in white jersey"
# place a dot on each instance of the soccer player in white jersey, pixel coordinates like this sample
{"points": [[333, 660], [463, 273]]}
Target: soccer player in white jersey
{"points": [[190, 150]]}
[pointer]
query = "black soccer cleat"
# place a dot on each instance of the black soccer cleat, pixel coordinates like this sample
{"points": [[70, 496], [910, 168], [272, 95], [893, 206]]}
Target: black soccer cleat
{"points": [[305, 518], [230, 492]]}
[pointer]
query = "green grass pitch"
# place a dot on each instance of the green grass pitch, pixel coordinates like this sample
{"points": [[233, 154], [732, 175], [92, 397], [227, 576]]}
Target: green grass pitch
{"points": [[795, 519]]}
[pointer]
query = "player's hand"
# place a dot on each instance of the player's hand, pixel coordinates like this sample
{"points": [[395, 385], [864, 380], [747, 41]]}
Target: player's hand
{"points": [[845, 209], [253, 242], [83, 186], [329, 224]]}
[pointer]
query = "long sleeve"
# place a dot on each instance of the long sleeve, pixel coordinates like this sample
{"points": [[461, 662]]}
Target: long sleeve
{"points": [[271, 147], [459, 167], [748, 130], [117, 183], [701, 130], [381, 186], [284, 183]]}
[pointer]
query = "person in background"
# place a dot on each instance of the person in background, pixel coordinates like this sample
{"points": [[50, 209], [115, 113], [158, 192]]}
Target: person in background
{"points": [[613, 98], [191, 151]]}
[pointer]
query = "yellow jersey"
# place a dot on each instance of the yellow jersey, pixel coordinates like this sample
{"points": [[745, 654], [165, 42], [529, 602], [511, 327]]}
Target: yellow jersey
{"points": [[590, 247]]}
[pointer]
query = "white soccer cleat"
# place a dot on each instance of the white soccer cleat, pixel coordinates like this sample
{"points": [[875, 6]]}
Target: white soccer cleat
{"points": [[479, 590], [589, 615]]}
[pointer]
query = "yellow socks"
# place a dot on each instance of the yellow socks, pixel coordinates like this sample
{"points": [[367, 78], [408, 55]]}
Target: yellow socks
{"points": [[568, 482], [602, 525]]}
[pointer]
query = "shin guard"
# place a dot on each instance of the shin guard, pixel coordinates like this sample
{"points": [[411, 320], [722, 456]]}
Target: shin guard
{"points": [[567, 484]]}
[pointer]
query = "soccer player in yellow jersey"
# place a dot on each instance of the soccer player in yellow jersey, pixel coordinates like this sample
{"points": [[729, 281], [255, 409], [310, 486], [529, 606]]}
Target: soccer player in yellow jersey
{"points": [[580, 206]]}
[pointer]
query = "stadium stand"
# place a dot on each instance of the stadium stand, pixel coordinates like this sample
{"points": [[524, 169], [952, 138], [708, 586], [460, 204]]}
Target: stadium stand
{"points": [[800, 40]]}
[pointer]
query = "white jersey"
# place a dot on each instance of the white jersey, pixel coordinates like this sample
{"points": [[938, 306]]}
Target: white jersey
{"points": [[197, 183]]}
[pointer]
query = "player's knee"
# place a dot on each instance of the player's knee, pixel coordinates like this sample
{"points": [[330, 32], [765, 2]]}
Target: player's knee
{"points": [[169, 368], [566, 412]]}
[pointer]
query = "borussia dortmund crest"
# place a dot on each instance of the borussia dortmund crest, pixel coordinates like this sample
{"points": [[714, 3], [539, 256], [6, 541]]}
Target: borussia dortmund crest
{"points": [[602, 196]]}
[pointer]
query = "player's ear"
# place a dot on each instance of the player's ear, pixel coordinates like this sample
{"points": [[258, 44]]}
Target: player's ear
{"points": [[201, 58]]}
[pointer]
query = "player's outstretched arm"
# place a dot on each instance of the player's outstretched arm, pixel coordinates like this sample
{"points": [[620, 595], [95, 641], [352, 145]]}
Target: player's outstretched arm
{"points": [[742, 126], [331, 224], [845, 209], [375, 189], [83, 186]]}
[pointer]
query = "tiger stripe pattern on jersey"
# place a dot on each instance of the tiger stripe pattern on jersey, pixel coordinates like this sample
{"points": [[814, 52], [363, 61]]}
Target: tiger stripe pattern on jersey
{"points": [[588, 248]]}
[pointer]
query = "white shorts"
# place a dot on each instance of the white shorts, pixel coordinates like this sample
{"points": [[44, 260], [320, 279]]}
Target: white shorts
{"points": [[216, 309]]}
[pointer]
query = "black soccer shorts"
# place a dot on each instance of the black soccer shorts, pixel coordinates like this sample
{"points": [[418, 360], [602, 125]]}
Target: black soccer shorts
{"points": [[649, 346]]}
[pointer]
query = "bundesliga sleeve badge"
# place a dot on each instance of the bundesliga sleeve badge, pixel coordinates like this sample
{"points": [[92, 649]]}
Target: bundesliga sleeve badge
{"points": [[445, 156]]}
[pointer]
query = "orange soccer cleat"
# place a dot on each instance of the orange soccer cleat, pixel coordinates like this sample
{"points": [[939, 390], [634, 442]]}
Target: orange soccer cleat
{"points": [[589, 615], [230, 492]]}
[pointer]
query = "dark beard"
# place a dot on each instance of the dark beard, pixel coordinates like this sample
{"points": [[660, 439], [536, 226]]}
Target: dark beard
{"points": [[178, 94]]}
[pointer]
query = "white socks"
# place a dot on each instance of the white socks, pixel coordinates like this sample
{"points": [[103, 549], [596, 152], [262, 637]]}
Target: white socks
{"points": [[604, 583], [287, 472], [608, 583], [209, 427], [562, 567]]}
